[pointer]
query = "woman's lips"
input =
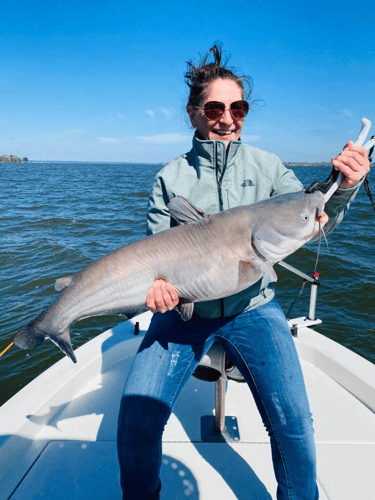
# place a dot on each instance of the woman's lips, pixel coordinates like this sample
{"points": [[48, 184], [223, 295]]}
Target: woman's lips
{"points": [[223, 132]]}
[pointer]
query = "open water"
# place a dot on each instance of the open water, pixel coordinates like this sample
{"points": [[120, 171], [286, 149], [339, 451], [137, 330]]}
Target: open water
{"points": [[56, 218]]}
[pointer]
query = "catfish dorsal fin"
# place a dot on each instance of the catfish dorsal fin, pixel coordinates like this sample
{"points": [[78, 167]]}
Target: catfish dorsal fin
{"points": [[184, 211], [62, 283]]}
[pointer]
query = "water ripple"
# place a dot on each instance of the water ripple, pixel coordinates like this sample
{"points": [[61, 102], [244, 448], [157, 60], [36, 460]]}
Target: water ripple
{"points": [[56, 218]]}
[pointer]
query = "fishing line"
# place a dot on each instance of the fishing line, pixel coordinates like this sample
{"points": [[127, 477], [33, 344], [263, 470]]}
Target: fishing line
{"points": [[319, 246], [366, 185], [366, 182], [321, 232], [6, 349], [295, 300]]}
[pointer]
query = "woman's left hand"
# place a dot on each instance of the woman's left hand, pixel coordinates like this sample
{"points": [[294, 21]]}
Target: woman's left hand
{"points": [[353, 163]]}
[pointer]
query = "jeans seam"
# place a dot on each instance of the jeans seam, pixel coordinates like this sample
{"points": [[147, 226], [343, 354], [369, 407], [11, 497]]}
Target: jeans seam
{"points": [[265, 409], [173, 399]]}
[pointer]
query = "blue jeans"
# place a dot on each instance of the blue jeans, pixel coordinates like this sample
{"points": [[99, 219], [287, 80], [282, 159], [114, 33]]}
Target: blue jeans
{"points": [[260, 344]]}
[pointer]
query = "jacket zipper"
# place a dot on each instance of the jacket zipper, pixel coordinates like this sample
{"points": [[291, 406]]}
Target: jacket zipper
{"points": [[219, 181], [221, 208], [220, 195]]}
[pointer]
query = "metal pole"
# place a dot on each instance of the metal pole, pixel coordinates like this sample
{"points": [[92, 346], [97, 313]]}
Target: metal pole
{"points": [[296, 271], [313, 295], [220, 405]]}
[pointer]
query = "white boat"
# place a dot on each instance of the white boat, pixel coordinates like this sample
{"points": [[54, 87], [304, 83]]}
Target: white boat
{"points": [[58, 434]]}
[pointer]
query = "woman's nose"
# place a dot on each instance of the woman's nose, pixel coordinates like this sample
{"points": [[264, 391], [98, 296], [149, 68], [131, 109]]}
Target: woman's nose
{"points": [[226, 117]]}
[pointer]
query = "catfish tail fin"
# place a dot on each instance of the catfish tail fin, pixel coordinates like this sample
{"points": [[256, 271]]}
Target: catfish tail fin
{"points": [[63, 343], [28, 337]]}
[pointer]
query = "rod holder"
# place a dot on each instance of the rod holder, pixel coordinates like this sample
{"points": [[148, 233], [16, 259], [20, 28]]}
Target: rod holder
{"points": [[313, 295]]}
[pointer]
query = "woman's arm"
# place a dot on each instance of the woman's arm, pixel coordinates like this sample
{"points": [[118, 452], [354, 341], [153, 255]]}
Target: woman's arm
{"points": [[162, 296]]}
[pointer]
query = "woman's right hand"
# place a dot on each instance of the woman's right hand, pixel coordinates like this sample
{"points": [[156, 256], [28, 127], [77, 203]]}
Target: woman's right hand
{"points": [[162, 297]]}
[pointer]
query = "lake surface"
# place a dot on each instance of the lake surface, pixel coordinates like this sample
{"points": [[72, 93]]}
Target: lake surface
{"points": [[56, 218]]}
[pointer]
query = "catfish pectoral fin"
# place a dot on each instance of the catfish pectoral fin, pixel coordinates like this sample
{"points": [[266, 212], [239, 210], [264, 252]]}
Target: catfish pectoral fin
{"points": [[185, 309], [184, 211], [63, 343], [28, 337]]}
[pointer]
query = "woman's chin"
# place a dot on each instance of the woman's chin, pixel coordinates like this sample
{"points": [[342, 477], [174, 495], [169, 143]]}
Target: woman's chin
{"points": [[224, 136]]}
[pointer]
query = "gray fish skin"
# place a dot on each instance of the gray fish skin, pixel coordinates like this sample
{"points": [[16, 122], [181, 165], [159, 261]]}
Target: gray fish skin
{"points": [[208, 257]]}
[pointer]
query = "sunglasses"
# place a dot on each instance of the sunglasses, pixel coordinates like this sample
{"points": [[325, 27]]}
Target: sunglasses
{"points": [[215, 109]]}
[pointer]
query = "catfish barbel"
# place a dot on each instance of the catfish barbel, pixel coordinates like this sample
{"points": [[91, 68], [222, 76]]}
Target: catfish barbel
{"points": [[207, 257]]}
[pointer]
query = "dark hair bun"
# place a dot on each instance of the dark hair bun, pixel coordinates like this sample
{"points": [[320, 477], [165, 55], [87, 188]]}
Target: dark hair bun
{"points": [[199, 77]]}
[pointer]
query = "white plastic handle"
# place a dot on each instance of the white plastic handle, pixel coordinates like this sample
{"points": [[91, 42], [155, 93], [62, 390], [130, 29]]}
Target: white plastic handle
{"points": [[369, 144], [365, 129], [366, 125]]}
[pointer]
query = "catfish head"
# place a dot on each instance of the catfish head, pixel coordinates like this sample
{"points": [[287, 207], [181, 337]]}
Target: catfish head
{"points": [[285, 223]]}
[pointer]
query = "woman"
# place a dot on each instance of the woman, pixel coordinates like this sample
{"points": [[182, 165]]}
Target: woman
{"points": [[219, 173]]}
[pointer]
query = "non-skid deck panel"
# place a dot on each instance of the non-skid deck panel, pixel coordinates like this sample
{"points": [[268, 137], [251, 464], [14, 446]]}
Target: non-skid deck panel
{"points": [[87, 470], [346, 471], [242, 471], [92, 415]]}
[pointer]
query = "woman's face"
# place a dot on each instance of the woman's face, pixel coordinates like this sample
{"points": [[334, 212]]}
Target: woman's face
{"points": [[225, 128]]}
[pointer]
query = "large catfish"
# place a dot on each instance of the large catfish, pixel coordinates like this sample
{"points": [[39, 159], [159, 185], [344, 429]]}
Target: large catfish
{"points": [[205, 258]]}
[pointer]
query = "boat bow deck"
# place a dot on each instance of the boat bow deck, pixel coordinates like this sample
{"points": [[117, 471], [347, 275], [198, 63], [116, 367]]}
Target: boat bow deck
{"points": [[64, 445]]}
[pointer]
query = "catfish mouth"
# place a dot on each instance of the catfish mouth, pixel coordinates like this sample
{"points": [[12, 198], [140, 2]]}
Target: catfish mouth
{"points": [[321, 217]]}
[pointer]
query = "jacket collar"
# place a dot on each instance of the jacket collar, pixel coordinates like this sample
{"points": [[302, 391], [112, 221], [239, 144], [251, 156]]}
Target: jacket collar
{"points": [[214, 154]]}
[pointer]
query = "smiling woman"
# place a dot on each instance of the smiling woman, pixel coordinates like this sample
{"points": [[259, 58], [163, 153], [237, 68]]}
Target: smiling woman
{"points": [[220, 172]]}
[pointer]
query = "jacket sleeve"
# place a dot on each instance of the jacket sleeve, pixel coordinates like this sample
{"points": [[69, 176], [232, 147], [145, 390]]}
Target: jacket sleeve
{"points": [[286, 180], [158, 217], [337, 206]]}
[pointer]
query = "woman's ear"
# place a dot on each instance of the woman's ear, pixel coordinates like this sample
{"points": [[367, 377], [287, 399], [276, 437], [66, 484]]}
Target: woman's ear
{"points": [[192, 115]]}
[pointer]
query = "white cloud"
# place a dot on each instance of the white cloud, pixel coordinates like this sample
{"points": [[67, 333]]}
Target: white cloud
{"points": [[347, 112], [108, 140], [166, 112], [164, 138], [151, 113]]}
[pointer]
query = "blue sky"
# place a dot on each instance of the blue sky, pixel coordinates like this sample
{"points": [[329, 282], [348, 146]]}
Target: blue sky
{"points": [[103, 80]]}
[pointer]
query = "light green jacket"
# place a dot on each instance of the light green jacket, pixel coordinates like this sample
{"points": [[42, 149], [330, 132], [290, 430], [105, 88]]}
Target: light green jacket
{"points": [[215, 178]]}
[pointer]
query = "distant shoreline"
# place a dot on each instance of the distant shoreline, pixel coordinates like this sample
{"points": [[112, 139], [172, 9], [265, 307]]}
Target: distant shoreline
{"points": [[5, 159], [12, 159], [306, 164]]}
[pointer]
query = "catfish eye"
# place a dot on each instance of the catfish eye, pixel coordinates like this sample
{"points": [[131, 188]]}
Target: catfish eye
{"points": [[305, 217]]}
